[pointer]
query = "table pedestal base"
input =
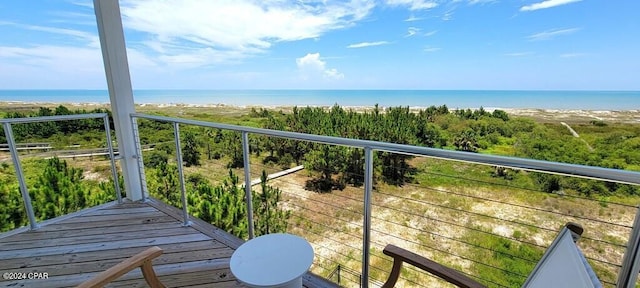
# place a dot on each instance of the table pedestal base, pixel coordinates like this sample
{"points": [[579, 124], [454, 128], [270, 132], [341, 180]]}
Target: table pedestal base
{"points": [[295, 283], [273, 260]]}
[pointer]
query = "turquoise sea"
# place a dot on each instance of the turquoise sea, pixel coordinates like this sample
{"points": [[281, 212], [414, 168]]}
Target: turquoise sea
{"points": [[589, 100]]}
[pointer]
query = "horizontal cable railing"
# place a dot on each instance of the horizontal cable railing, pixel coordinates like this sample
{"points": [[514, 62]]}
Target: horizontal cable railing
{"points": [[337, 214], [431, 205], [589, 172], [345, 199], [353, 206], [55, 118], [7, 124]]}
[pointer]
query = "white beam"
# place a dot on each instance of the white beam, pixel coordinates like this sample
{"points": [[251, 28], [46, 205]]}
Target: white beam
{"points": [[116, 66]]}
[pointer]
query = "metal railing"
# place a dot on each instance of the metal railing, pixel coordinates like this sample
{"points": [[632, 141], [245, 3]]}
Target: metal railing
{"points": [[631, 263], [8, 130], [628, 269], [337, 274]]}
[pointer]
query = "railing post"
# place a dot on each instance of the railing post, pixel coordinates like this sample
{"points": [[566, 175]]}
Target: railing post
{"points": [[247, 183], [631, 262], [8, 132], [114, 173], [185, 214], [366, 227], [140, 160], [116, 67]]}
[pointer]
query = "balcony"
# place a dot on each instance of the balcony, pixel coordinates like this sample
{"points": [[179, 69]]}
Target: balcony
{"points": [[484, 228], [73, 248], [461, 228], [76, 247]]}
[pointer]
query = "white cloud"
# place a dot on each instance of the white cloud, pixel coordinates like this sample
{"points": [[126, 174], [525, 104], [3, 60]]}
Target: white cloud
{"points": [[85, 4], [74, 18], [430, 33], [573, 55], [367, 44], [550, 34], [310, 61], [311, 66], [93, 39], [431, 49], [519, 54], [412, 19], [83, 36], [48, 66], [412, 31], [448, 15], [208, 32], [546, 4], [414, 4], [333, 74], [474, 2]]}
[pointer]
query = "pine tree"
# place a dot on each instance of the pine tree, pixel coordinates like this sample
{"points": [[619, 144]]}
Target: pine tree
{"points": [[167, 188], [268, 217], [12, 213], [224, 206], [60, 190], [190, 152], [326, 160]]}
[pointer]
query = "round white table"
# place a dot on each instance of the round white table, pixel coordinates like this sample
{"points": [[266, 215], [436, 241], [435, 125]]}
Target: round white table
{"points": [[273, 260]]}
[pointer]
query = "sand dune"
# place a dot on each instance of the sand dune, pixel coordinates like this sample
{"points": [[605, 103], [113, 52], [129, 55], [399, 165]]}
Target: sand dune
{"points": [[543, 115]]}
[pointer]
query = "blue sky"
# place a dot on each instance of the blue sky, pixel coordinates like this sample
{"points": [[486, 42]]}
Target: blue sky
{"points": [[330, 44]]}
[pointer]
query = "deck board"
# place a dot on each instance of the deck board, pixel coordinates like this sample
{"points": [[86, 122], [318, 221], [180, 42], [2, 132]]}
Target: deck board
{"points": [[96, 238], [121, 211], [113, 217], [71, 248], [39, 234], [170, 258], [215, 278], [80, 246], [31, 262], [89, 225]]}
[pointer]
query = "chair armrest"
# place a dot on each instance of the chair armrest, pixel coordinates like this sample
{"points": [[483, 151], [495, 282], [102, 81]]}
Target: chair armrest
{"points": [[142, 260], [401, 255]]}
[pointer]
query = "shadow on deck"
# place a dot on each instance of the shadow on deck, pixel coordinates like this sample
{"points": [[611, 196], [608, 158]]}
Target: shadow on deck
{"points": [[75, 247]]}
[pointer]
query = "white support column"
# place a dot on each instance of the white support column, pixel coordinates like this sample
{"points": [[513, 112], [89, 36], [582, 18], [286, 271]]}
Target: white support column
{"points": [[116, 66]]}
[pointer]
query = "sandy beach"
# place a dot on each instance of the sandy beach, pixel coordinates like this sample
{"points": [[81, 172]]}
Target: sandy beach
{"points": [[541, 115]]}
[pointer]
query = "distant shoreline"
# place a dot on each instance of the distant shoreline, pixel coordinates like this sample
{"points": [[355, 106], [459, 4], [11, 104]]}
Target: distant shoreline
{"points": [[354, 107], [545, 115], [454, 99]]}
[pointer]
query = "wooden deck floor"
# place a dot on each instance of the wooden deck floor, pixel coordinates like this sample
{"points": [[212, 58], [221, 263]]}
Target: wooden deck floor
{"points": [[76, 247]]}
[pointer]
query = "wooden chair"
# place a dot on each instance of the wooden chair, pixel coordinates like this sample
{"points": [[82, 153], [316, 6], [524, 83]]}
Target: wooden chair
{"points": [[450, 275], [401, 255], [142, 260]]}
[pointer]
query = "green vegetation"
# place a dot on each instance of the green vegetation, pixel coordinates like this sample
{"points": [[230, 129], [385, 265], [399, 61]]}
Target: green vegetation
{"points": [[431, 127], [190, 151], [222, 205], [513, 269], [212, 159], [602, 144], [464, 130], [88, 128], [55, 189]]}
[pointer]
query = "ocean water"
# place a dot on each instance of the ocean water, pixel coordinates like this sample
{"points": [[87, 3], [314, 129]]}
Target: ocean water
{"points": [[587, 100]]}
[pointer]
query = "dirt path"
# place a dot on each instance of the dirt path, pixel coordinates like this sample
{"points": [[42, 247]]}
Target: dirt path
{"points": [[257, 181], [575, 134]]}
